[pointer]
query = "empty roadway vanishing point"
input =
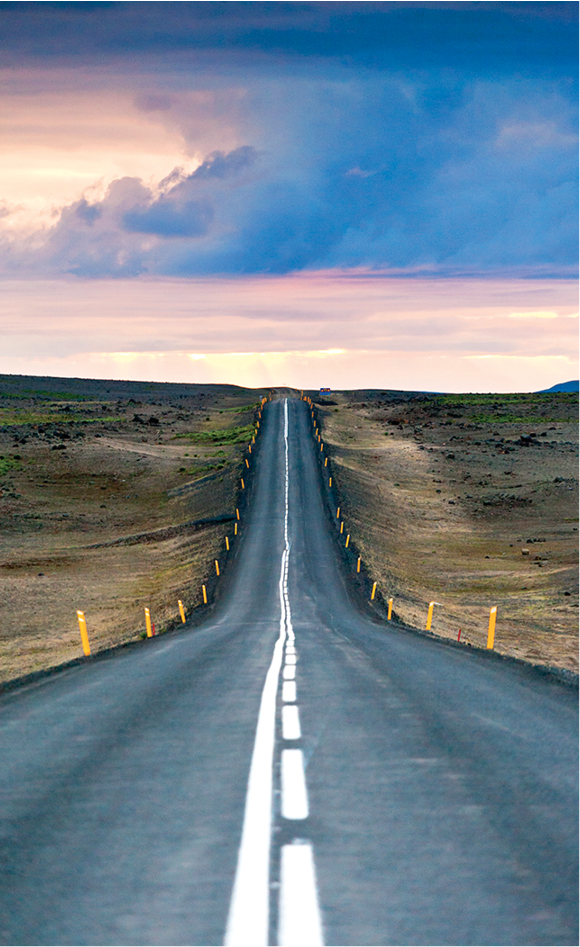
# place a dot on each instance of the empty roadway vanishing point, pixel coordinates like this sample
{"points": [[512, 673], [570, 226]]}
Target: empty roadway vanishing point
{"points": [[432, 788]]}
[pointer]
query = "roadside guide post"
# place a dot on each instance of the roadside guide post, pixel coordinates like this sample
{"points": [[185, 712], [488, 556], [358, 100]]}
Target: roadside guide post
{"points": [[84, 633], [491, 628], [430, 614]]}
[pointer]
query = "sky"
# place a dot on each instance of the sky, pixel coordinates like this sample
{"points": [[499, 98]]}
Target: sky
{"points": [[315, 194]]}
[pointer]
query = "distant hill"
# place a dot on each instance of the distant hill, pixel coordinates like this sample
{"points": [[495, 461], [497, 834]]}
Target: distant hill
{"points": [[563, 386]]}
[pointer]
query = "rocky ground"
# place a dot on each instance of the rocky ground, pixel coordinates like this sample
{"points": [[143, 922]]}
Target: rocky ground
{"points": [[468, 500], [102, 485]]}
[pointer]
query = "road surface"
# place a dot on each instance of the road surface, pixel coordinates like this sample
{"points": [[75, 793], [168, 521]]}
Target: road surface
{"points": [[290, 772]]}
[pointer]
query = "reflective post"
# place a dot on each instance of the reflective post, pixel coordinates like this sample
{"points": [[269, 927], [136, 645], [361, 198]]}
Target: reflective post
{"points": [[491, 628], [84, 633]]}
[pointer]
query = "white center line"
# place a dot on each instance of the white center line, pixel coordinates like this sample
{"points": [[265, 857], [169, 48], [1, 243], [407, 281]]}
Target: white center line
{"points": [[294, 795], [290, 722], [249, 915], [289, 672], [289, 692], [299, 923]]}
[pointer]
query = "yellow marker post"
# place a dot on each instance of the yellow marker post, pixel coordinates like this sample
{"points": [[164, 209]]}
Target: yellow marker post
{"points": [[217, 567], [338, 513], [250, 448], [330, 481], [342, 526], [325, 461], [242, 481], [237, 514], [347, 541], [148, 623], [358, 564], [247, 464], [204, 593], [235, 529], [181, 610], [84, 633], [430, 615], [491, 629], [322, 447], [390, 611], [227, 544], [373, 591]]}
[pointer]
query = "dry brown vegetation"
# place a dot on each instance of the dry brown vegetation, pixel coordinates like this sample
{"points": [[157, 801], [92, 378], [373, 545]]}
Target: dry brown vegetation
{"points": [[101, 488], [469, 500]]}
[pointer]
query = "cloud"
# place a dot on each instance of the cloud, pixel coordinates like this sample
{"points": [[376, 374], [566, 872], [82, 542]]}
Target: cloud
{"points": [[296, 157], [372, 34], [165, 218]]}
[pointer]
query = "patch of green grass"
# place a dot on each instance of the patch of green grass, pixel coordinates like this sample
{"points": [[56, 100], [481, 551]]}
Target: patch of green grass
{"points": [[7, 464], [233, 435], [42, 395], [244, 407], [30, 417], [201, 471], [499, 400]]}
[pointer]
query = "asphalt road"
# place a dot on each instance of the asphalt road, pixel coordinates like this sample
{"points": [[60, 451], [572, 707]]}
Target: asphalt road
{"points": [[290, 772]]}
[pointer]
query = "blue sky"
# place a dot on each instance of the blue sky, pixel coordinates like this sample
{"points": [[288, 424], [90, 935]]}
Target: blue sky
{"points": [[235, 141]]}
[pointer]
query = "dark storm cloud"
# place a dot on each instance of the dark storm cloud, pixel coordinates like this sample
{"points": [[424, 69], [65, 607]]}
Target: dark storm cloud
{"points": [[463, 34], [434, 136]]}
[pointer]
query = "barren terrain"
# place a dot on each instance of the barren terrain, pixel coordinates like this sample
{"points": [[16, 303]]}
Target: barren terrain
{"points": [[115, 496], [468, 500], [102, 486]]}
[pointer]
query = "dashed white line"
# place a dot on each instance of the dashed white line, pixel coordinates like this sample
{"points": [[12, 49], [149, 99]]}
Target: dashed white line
{"points": [[290, 722], [299, 923], [289, 672], [299, 916], [294, 795], [289, 692]]}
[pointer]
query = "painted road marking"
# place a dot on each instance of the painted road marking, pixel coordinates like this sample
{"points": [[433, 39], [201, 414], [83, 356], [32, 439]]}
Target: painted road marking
{"points": [[290, 658], [294, 795], [289, 692], [289, 672], [249, 915], [290, 722], [299, 922]]}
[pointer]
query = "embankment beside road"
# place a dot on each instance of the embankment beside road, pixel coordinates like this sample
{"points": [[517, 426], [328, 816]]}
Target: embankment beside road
{"points": [[113, 496], [468, 500]]}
